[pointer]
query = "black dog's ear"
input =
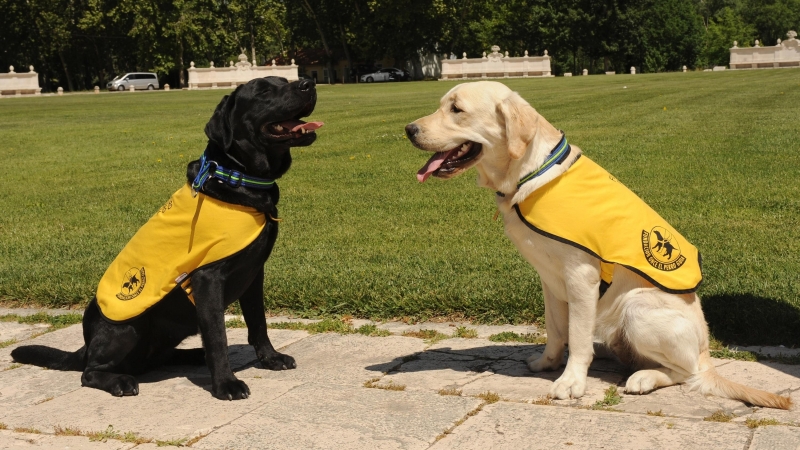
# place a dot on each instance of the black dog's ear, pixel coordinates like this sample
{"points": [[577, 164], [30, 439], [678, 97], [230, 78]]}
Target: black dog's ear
{"points": [[219, 128]]}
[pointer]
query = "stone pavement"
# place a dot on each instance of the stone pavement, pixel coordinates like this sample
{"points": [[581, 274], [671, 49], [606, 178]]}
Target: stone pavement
{"points": [[355, 391]]}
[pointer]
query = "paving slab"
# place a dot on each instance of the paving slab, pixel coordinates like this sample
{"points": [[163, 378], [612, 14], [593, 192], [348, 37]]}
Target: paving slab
{"points": [[26, 386], [679, 401], [20, 331], [782, 379], [241, 355], [475, 366], [518, 425], [14, 440], [776, 438], [165, 409], [342, 359], [69, 339], [325, 416]]}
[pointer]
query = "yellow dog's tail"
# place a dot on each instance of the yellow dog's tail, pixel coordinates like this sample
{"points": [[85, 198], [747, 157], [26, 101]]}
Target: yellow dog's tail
{"points": [[710, 382]]}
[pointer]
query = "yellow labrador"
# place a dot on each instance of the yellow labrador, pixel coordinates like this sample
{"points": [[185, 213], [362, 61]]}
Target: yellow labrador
{"points": [[661, 332]]}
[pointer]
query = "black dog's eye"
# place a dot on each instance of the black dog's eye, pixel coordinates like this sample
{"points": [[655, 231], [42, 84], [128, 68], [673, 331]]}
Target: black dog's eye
{"points": [[455, 109]]}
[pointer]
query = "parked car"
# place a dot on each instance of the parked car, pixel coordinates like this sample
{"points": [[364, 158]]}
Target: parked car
{"points": [[388, 74], [139, 80]]}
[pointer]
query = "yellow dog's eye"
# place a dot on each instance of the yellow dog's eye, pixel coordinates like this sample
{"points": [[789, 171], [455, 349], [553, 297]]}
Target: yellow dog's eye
{"points": [[455, 109]]}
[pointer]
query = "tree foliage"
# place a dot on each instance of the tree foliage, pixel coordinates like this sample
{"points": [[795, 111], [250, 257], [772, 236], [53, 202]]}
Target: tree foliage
{"points": [[81, 43]]}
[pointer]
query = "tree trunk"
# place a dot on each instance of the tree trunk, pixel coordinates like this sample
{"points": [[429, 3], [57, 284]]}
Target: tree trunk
{"points": [[181, 79], [66, 72], [345, 76], [310, 12], [253, 46]]}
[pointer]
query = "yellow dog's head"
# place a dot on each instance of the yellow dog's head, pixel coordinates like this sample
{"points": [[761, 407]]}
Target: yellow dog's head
{"points": [[482, 123]]}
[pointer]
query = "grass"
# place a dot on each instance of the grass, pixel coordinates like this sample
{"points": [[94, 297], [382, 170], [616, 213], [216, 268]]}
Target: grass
{"points": [[360, 236], [430, 336], [722, 351], [755, 423], [327, 325], [719, 416], [450, 391], [372, 330], [610, 398], [171, 442], [56, 321], [510, 336], [6, 343], [466, 333], [490, 397], [66, 431], [374, 383]]}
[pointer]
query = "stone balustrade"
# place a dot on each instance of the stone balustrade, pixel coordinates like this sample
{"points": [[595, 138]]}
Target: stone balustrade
{"points": [[236, 74], [17, 84], [496, 65], [784, 54]]}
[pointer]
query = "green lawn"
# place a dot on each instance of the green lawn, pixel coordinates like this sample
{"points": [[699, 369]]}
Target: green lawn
{"points": [[716, 154]]}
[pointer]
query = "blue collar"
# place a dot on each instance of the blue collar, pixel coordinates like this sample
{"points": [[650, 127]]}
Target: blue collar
{"points": [[232, 177], [556, 156]]}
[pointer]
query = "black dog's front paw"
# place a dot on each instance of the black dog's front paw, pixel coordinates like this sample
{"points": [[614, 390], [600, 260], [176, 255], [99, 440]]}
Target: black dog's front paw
{"points": [[232, 389], [126, 385], [113, 383], [278, 361]]}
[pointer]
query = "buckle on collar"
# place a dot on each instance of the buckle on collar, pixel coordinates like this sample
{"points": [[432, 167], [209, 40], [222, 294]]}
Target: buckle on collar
{"points": [[230, 178]]}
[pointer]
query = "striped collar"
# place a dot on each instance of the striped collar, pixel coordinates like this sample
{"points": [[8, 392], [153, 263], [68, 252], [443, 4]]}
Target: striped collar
{"points": [[558, 155], [211, 169]]}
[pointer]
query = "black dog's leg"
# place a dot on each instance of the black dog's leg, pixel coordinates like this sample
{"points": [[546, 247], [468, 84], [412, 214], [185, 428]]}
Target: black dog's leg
{"points": [[252, 303], [209, 295], [106, 356]]}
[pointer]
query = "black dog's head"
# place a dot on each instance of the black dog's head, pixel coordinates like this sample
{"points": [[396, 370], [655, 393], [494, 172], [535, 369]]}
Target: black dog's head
{"points": [[257, 124]]}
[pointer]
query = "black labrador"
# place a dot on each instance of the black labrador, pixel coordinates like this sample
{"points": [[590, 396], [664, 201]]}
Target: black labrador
{"points": [[251, 132]]}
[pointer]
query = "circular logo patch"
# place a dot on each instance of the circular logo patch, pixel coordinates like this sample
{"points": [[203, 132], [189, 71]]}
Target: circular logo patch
{"points": [[661, 249], [132, 283]]}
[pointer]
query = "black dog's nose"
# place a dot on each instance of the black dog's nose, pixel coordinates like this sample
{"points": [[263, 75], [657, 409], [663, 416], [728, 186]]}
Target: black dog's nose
{"points": [[306, 84], [411, 130]]}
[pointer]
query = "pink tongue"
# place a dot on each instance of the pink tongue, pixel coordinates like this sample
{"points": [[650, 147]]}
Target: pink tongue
{"points": [[297, 125], [432, 165]]}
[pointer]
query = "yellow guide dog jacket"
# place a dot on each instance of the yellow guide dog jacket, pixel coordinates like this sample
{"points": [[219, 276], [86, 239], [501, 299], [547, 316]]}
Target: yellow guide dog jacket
{"points": [[587, 207], [185, 234]]}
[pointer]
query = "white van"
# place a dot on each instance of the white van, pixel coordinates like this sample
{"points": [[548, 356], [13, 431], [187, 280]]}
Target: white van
{"points": [[139, 80]]}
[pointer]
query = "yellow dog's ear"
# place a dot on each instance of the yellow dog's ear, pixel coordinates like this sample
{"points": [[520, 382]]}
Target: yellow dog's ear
{"points": [[520, 121]]}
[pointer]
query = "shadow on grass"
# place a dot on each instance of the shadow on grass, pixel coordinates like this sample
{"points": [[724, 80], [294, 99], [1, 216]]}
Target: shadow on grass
{"points": [[747, 319]]}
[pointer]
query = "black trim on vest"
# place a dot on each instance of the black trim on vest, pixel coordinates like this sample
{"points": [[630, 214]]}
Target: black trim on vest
{"points": [[632, 269]]}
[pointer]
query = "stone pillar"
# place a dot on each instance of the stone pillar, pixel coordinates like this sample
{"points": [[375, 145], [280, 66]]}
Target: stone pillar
{"points": [[97, 89], [60, 90], [130, 88], [633, 70], [683, 69], [166, 87], [585, 72]]}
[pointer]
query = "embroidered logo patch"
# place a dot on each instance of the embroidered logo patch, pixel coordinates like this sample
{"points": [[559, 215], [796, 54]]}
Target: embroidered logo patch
{"points": [[132, 283], [661, 249]]}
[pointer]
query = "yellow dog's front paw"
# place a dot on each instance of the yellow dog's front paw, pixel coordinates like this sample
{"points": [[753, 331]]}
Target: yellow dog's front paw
{"points": [[568, 386]]}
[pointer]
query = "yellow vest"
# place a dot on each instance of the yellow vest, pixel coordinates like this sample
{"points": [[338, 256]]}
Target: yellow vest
{"points": [[588, 208], [185, 234]]}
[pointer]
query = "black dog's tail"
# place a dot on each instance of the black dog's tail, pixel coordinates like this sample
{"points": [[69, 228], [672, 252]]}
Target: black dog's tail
{"points": [[51, 358]]}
